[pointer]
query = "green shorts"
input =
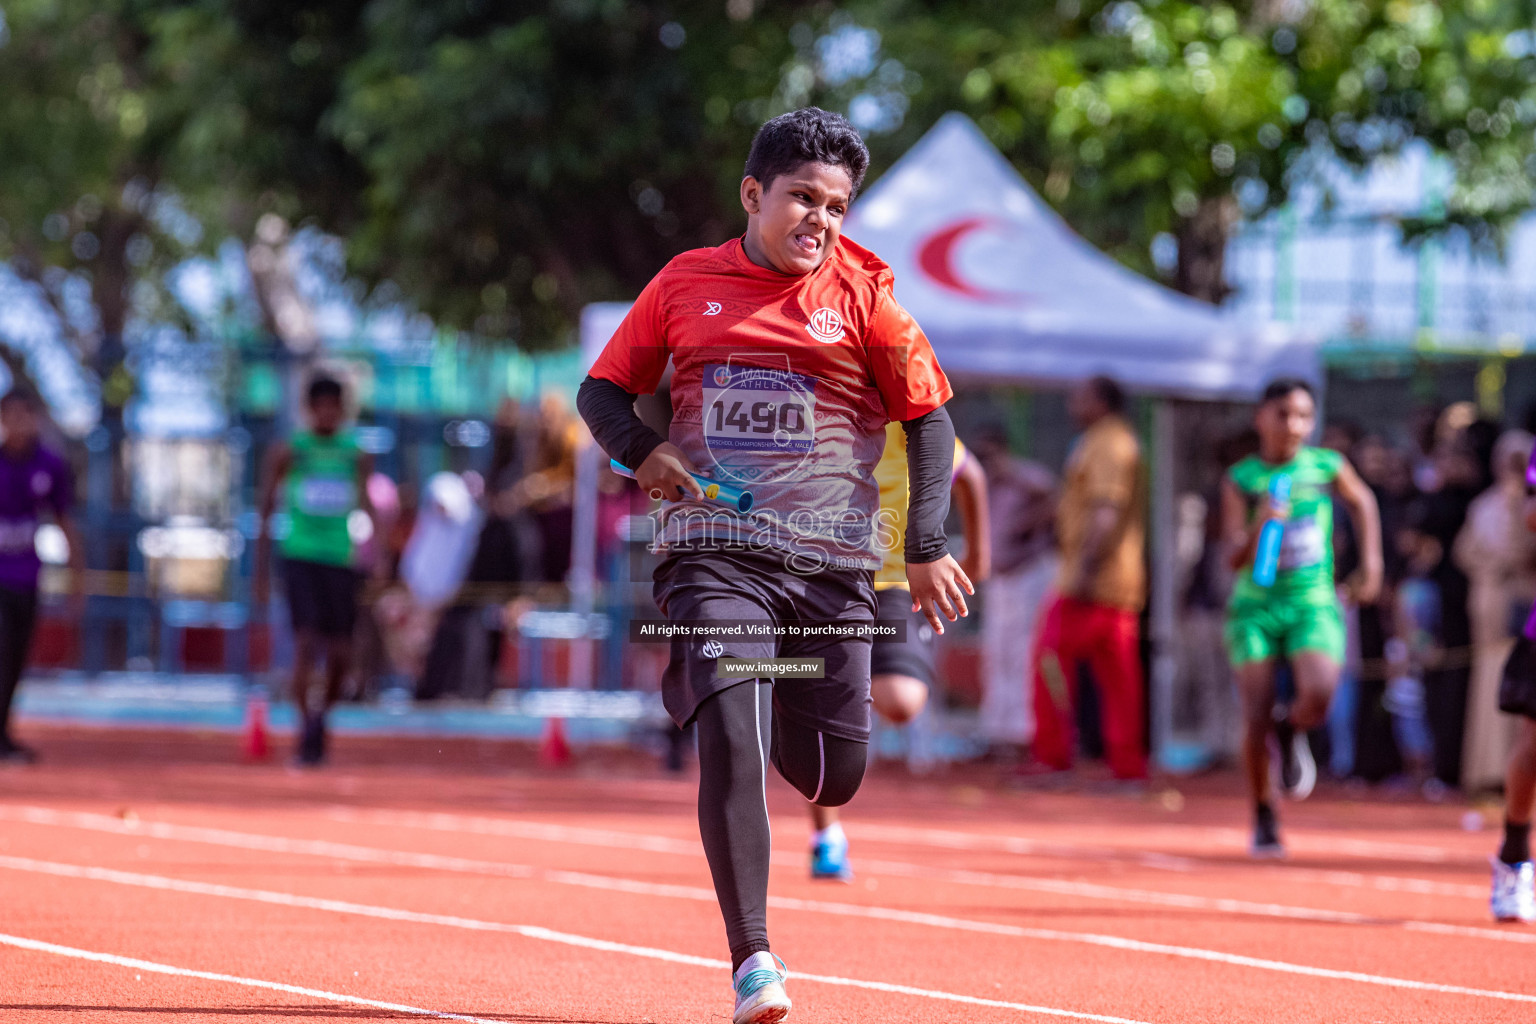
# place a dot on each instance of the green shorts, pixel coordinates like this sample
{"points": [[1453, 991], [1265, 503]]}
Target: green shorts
{"points": [[1267, 632]]}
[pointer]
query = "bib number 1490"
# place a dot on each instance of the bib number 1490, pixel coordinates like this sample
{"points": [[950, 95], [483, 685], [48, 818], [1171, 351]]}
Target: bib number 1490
{"points": [[760, 418], [754, 409]]}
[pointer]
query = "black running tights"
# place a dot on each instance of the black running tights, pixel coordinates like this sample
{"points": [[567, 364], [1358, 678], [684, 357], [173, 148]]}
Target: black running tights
{"points": [[737, 736]]}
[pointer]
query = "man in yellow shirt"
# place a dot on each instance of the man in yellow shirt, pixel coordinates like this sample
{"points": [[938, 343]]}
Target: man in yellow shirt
{"points": [[1095, 617]]}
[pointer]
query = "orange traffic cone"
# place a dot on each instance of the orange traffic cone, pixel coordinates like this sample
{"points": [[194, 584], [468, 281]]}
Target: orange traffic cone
{"points": [[554, 749], [256, 746]]}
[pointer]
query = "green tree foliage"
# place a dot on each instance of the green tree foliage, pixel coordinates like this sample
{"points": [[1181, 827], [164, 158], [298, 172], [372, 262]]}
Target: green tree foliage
{"points": [[501, 165], [252, 83], [520, 165], [85, 216], [1142, 118]]}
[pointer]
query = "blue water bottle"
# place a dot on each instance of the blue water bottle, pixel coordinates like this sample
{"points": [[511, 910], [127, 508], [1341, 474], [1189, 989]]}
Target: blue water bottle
{"points": [[714, 490], [1266, 560]]}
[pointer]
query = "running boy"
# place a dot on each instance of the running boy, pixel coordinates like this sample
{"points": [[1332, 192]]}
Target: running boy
{"points": [[1297, 618], [1514, 876], [324, 477], [33, 480], [901, 673], [790, 356]]}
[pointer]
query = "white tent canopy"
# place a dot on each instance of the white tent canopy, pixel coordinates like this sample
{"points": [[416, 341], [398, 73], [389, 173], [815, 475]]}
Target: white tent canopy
{"points": [[1005, 290]]}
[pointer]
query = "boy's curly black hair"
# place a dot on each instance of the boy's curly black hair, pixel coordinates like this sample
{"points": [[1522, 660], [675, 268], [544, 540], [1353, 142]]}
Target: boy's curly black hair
{"points": [[324, 387], [807, 135], [1282, 387]]}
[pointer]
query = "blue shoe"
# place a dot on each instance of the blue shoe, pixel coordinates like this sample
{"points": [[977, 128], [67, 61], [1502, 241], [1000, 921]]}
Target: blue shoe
{"points": [[1514, 892], [829, 857], [760, 995]]}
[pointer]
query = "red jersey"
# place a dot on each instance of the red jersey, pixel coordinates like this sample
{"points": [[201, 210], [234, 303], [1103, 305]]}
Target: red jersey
{"points": [[782, 384]]}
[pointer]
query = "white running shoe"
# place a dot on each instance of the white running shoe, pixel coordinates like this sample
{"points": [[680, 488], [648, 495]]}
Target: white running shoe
{"points": [[1298, 771], [760, 995], [1514, 892]]}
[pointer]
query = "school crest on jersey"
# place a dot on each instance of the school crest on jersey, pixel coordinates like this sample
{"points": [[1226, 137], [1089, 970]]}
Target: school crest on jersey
{"points": [[826, 325]]}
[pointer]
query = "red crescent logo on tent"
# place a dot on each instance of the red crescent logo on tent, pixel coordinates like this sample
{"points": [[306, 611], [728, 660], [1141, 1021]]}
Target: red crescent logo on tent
{"points": [[936, 259]]}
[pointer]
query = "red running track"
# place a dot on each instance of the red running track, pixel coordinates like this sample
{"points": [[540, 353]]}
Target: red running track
{"points": [[154, 878]]}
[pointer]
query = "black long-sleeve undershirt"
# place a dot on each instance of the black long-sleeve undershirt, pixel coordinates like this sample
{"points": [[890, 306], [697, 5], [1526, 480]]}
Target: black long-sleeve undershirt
{"points": [[930, 469], [609, 412]]}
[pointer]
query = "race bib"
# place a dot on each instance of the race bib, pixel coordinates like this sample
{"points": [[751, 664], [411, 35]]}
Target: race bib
{"points": [[753, 409], [326, 496], [1301, 544]]}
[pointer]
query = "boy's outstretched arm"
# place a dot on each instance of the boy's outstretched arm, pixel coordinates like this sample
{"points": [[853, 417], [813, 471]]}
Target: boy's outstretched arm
{"points": [[274, 470], [936, 580], [1366, 585], [970, 492], [1239, 537]]}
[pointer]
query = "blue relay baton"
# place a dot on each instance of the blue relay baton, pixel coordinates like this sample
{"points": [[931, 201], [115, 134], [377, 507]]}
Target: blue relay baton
{"points": [[1266, 560], [725, 494]]}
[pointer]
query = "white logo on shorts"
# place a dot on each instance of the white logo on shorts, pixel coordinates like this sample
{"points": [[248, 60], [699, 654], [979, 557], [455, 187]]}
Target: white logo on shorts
{"points": [[826, 325], [711, 309], [712, 649]]}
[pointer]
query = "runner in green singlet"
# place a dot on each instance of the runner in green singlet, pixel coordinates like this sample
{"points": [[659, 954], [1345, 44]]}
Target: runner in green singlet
{"points": [[323, 477], [1296, 618]]}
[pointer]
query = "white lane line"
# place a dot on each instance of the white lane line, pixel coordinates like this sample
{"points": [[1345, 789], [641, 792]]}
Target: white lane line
{"points": [[616, 839], [232, 979], [1233, 840], [608, 883], [1385, 883], [813, 906], [285, 899], [668, 844], [1229, 838], [463, 865], [606, 838]]}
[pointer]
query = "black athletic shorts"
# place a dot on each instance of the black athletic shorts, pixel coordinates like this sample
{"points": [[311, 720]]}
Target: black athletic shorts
{"points": [[738, 586], [915, 656], [322, 598], [1517, 689]]}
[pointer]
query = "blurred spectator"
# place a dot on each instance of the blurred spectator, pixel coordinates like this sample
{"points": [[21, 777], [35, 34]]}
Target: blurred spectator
{"points": [[374, 561], [34, 480], [1388, 471], [507, 550], [1021, 506], [433, 567], [508, 443], [548, 492], [371, 555], [1459, 476], [1415, 648], [1498, 555], [1095, 617], [1342, 436]]}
